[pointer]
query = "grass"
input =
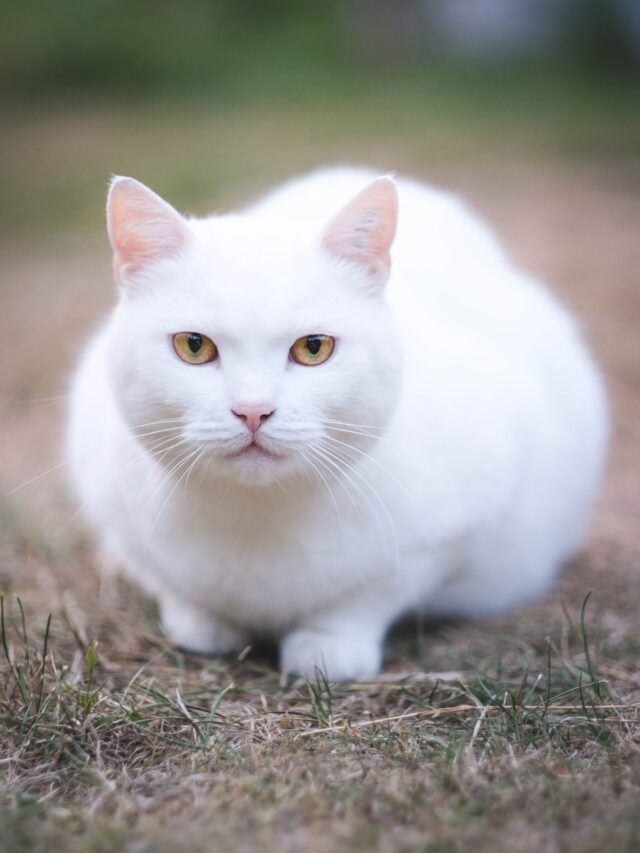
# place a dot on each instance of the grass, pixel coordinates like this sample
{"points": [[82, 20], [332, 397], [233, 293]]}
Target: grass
{"points": [[146, 748]]}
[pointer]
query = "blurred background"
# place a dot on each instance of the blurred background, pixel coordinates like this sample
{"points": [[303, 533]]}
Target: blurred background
{"points": [[529, 109], [212, 100]]}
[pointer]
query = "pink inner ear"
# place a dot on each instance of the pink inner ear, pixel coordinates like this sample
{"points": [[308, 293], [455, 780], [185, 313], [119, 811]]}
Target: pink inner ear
{"points": [[364, 229], [142, 227]]}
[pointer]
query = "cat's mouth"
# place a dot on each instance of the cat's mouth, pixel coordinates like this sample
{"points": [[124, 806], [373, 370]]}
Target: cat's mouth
{"points": [[254, 450]]}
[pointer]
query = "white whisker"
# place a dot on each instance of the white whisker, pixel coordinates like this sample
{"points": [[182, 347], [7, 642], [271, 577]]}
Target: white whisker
{"points": [[354, 426], [328, 461], [321, 460], [367, 456], [308, 459], [37, 477], [156, 432], [134, 427], [329, 453], [137, 459], [183, 461]]}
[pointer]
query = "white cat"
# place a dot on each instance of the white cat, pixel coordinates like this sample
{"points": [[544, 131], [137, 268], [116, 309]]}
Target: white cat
{"points": [[289, 428]]}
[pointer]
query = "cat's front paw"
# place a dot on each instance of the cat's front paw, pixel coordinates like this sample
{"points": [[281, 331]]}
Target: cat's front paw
{"points": [[196, 630], [341, 657]]}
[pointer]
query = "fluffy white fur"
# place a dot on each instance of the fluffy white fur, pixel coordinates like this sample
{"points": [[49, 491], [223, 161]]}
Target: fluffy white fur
{"points": [[443, 459]]}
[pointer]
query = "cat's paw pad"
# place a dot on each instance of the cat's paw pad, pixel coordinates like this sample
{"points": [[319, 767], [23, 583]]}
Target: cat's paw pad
{"points": [[198, 631], [340, 657]]}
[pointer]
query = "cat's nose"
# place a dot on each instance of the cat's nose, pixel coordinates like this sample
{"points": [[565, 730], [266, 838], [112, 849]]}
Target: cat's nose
{"points": [[253, 414]]}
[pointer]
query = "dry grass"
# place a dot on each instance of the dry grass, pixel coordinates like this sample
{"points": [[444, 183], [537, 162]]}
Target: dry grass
{"points": [[519, 733], [119, 740]]}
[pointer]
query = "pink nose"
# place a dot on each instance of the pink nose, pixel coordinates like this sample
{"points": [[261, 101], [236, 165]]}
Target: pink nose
{"points": [[253, 414]]}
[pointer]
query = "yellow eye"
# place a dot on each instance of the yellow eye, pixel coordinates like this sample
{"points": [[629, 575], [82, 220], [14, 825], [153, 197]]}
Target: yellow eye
{"points": [[194, 348], [312, 349]]}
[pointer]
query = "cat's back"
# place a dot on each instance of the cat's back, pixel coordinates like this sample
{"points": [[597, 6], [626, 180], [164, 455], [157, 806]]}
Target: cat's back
{"points": [[430, 218]]}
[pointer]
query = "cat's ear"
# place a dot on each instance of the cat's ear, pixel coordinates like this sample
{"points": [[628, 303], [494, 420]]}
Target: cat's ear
{"points": [[364, 229], [142, 227]]}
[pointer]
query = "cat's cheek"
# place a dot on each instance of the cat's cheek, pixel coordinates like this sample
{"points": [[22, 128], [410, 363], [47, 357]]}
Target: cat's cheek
{"points": [[140, 390]]}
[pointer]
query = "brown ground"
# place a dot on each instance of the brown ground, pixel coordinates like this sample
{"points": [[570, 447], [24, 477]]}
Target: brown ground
{"points": [[256, 783]]}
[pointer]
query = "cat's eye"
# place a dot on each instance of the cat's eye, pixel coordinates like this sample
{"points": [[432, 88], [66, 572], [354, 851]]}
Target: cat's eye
{"points": [[312, 349], [194, 348]]}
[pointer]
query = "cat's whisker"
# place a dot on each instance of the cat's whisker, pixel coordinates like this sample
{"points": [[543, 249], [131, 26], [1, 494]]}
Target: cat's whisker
{"points": [[355, 426], [191, 467], [356, 472], [160, 422], [310, 462], [158, 452], [320, 459], [184, 461], [37, 477], [368, 457], [337, 464], [160, 472], [37, 401], [161, 448], [354, 432], [391, 526], [121, 470], [164, 476], [204, 470], [356, 429], [156, 432]]}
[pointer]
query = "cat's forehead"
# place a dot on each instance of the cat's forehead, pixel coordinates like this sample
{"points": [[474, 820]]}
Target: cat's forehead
{"points": [[259, 266], [243, 243]]}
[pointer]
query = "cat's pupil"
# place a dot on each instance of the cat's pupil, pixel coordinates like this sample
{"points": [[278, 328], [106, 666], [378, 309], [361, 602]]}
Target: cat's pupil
{"points": [[314, 342], [194, 342]]}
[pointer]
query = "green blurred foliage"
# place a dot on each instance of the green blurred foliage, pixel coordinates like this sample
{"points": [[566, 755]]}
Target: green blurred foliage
{"points": [[226, 48], [133, 47], [216, 99]]}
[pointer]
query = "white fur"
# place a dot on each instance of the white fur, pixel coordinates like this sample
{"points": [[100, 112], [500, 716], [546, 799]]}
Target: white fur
{"points": [[482, 416]]}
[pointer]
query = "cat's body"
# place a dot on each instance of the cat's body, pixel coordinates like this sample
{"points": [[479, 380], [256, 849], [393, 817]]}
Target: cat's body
{"points": [[443, 458]]}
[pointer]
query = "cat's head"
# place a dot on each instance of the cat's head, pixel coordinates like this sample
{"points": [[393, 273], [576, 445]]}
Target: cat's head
{"points": [[253, 347]]}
